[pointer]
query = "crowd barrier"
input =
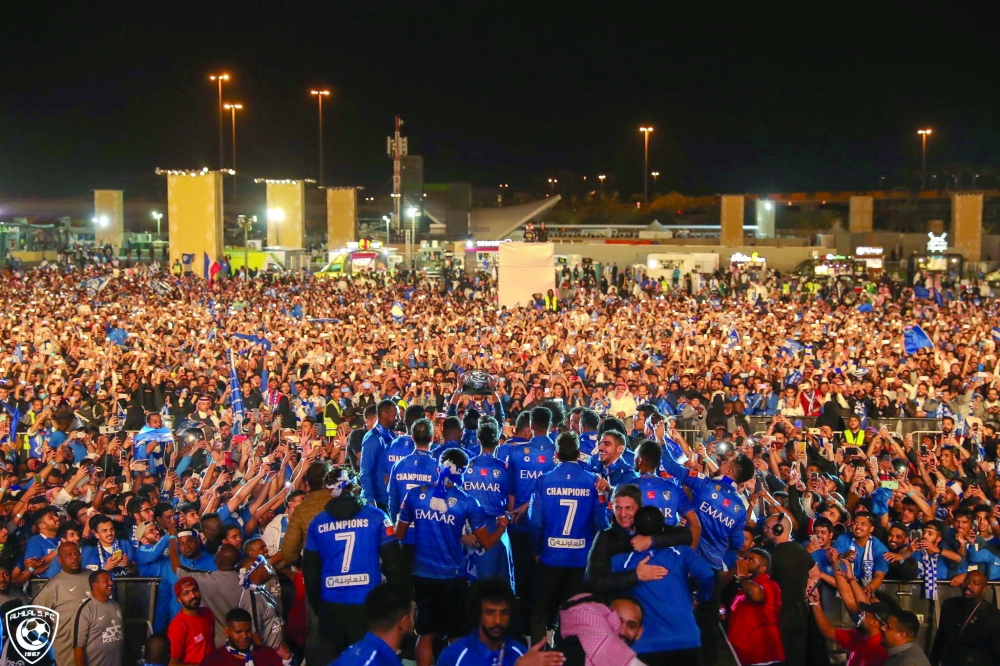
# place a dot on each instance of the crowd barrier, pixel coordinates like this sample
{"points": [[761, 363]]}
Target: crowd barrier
{"points": [[762, 423], [137, 598]]}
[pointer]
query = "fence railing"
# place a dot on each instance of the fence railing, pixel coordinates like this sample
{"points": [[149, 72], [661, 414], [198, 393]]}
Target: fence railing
{"points": [[137, 598], [903, 426]]}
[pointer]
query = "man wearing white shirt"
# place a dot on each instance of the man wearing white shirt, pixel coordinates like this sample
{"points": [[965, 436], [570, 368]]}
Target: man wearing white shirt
{"points": [[622, 402]]}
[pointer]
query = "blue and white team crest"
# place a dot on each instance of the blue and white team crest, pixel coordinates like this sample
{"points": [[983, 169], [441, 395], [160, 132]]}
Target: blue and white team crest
{"points": [[30, 631], [496, 474], [666, 495], [452, 501]]}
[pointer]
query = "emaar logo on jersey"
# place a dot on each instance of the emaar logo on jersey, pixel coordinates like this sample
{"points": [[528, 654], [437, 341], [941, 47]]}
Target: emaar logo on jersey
{"points": [[717, 514], [31, 630]]}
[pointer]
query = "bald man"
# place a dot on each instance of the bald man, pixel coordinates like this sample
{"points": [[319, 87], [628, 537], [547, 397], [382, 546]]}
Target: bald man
{"points": [[969, 627], [64, 593]]}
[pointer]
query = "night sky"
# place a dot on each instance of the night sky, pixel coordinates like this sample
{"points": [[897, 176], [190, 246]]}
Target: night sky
{"points": [[97, 97]]}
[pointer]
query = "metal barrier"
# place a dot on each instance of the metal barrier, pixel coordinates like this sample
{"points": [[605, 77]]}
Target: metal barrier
{"points": [[137, 598], [908, 595], [902, 426]]}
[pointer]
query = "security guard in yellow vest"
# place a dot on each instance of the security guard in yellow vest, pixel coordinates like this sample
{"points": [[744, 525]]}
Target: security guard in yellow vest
{"points": [[551, 302], [854, 435], [333, 415]]}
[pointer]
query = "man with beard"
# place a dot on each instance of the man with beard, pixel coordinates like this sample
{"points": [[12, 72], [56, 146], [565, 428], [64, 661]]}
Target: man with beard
{"points": [[64, 593], [790, 569], [865, 551], [630, 613], [968, 626], [238, 649], [864, 644], [901, 565], [192, 631], [492, 604]]}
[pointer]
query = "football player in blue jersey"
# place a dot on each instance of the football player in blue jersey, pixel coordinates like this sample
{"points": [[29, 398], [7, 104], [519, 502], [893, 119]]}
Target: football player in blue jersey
{"points": [[402, 446], [589, 423], [440, 514], [489, 482], [521, 434], [723, 516], [417, 469], [661, 490], [350, 546], [566, 512], [490, 643], [374, 473], [607, 425], [451, 432], [389, 611], [610, 466]]}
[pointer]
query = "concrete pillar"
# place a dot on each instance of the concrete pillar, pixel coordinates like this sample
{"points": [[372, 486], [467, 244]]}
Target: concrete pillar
{"points": [[861, 213], [286, 207], [341, 216], [967, 225], [731, 220], [765, 218], [109, 215], [194, 217]]}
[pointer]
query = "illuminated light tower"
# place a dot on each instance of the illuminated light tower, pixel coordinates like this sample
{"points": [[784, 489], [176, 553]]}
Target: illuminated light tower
{"points": [[397, 148], [320, 94], [655, 175], [157, 217], [924, 133], [219, 78], [645, 164], [552, 185], [233, 107], [601, 178]]}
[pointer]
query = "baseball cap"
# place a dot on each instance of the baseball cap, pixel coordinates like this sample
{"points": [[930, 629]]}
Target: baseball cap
{"points": [[141, 528], [880, 610]]}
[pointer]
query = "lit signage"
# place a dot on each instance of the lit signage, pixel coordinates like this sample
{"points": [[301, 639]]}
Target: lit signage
{"points": [[835, 257], [937, 243], [364, 244], [484, 245], [869, 251], [740, 258]]}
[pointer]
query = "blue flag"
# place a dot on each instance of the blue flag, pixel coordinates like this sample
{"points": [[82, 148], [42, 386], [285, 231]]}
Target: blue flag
{"points": [[995, 332], [793, 378], [734, 338], [19, 353], [206, 266], [397, 312], [144, 441], [866, 307], [914, 338], [235, 395], [790, 347], [15, 419]]}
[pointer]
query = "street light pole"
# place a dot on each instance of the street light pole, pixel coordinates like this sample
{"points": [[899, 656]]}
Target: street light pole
{"points": [[233, 107], [320, 94], [655, 174], [645, 164], [924, 133], [220, 78], [157, 217], [552, 185], [601, 178]]}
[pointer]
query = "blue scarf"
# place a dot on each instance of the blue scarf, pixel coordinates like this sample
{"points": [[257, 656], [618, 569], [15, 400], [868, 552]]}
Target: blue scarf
{"points": [[449, 472], [247, 657], [927, 568]]}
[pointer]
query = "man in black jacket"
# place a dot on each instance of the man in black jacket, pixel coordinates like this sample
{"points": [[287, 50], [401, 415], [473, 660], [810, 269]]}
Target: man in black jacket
{"points": [[969, 631], [620, 537]]}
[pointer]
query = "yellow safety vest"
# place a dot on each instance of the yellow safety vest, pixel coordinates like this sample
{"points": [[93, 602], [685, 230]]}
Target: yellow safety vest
{"points": [[551, 303], [855, 440], [331, 427]]}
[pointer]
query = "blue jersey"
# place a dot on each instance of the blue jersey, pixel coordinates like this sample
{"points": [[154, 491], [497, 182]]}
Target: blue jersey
{"points": [[566, 513], [472, 451], [369, 651], [503, 452], [984, 559], [400, 448], [588, 444], [527, 464], [489, 482], [720, 510], [374, 473], [438, 552], [470, 650], [39, 546], [349, 552], [669, 622], [416, 469], [616, 473], [822, 561], [95, 557], [870, 558], [666, 495]]}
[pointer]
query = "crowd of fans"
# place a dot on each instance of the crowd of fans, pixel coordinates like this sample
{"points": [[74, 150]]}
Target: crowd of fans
{"points": [[318, 470]]}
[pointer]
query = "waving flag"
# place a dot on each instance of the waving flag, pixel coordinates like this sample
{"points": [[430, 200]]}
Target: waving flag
{"points": [[790, 347], [866, 307], [235, 395], [15, 419], [793, 378], [145, 440], [995, 333], [94, 285], [162, 288], [19, 353], [206, 266], [397, 312], [914, 339], [733, 337]]}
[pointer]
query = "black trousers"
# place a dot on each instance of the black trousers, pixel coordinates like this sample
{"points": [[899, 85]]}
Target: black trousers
{"points": [[707, 617], [554, 585], [340, 626]]}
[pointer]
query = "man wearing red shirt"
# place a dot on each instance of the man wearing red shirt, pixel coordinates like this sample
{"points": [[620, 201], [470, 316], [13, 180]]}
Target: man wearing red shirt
{"points": [[239, 649], [864, 644], [753, 617], [192, 631]]}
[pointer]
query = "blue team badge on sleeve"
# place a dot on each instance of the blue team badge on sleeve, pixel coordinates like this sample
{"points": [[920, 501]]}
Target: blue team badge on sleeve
{"points": [[452, 501], [666, 495], [496, 474]]}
